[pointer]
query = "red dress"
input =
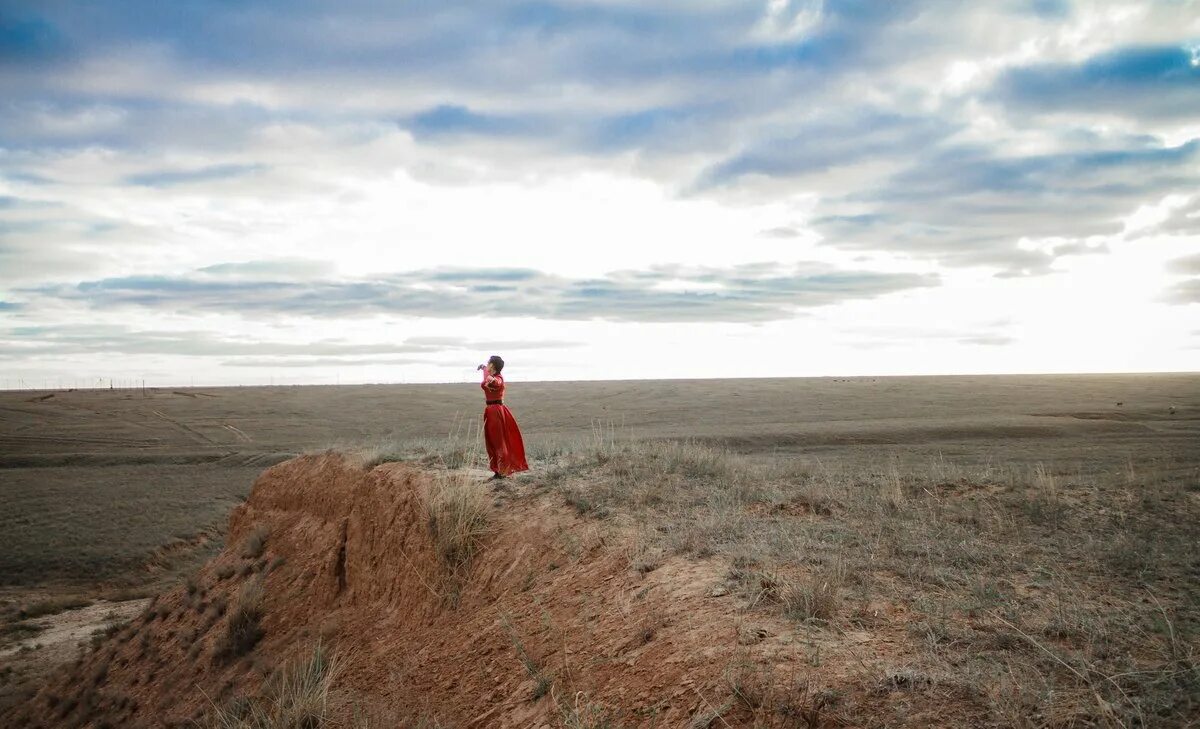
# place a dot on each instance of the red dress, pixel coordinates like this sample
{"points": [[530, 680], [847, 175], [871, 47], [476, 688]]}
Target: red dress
{"points": [[506, 450]]}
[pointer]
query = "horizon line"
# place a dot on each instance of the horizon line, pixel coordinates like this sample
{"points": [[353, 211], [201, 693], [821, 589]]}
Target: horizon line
{"points": [[123, 387]]}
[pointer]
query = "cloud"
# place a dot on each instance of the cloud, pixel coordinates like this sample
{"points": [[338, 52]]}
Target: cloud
{"points": [[493, 344], [289, 268], [829, 140], [1187, 265], [1182, 220], [211, 173], [59, 340], [205, 136], [1057, 9], [667, 293], [450, 119], [1184, 292], [65, 340], [326, 362], [988, 340], [985, 334], [967, 205], [1137, 82]]}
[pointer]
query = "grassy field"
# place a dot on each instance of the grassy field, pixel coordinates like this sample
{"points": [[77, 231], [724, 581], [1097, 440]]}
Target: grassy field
{"points": [[1039, 533], [1052, 596], [94, 481]]}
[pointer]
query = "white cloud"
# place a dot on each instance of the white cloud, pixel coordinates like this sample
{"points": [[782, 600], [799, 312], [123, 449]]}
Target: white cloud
{"points": [[583, 140]]}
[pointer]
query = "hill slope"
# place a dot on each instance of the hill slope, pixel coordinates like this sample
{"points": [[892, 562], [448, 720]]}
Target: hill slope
{"points": [[549, 624]]}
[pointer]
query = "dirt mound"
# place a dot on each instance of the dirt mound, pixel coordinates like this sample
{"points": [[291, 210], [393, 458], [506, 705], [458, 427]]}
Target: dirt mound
{"points": [[553, 624]]}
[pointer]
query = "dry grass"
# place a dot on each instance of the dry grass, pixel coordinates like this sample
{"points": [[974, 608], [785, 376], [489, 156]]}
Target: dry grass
{"points": [[42, 608], [533, 668], [256, 542], [297, 697], [1110, 639], [459, 449], [456, 510], [76, 524], [959, 501], [243, 629], [815, 597], [578, 712]]}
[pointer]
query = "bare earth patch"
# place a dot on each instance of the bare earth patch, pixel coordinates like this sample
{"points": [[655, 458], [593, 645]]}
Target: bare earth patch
{"points": [[60, 635]]}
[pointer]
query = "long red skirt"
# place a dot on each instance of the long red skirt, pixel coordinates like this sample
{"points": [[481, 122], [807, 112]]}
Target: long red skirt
{"points": [[505, 448]]}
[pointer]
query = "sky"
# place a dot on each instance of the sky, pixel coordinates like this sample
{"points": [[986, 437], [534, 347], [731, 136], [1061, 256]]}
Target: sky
{"points": [[291, 192]]}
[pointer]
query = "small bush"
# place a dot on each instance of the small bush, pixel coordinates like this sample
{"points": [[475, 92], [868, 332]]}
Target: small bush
{"points": [[99, 674], [647, 561], [578, 500], [254, 545], [814, 599], [243, 631], [224, 572], [50, 607], [19, 631]]}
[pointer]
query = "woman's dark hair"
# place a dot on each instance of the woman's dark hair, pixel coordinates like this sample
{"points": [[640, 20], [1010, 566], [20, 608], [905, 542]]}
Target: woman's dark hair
{"points": [[496, 361]]}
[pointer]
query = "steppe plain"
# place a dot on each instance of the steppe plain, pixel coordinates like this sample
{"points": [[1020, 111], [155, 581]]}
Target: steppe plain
{"points": [[1082, 490]]}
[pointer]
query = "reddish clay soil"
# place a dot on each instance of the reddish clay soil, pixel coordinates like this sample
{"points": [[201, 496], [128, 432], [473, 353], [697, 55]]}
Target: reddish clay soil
{"points": [[359, 572]]}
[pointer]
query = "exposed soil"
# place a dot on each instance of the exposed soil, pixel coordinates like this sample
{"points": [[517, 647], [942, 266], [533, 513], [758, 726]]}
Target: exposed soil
{"points": [[551, 620], [60, 635]]}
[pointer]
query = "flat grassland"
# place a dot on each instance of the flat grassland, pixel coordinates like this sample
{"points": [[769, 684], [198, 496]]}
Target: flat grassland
{"points": [[1048, 523]]}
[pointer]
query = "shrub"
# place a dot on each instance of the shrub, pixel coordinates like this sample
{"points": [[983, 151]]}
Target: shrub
{"points": [[254, 545], [52, 606], [243, 631], [813, 599]]}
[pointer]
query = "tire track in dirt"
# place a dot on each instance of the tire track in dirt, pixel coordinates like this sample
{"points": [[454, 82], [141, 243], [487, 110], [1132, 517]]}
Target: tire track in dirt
{"points": [[200, 437], [238, 432], [73, 412]]}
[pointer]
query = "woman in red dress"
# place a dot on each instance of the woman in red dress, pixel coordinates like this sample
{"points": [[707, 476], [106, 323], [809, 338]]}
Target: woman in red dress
{"points": [[505, 448]]}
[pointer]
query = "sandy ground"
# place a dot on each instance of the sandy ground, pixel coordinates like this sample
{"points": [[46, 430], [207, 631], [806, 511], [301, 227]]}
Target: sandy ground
{"points": [[61, 634]]}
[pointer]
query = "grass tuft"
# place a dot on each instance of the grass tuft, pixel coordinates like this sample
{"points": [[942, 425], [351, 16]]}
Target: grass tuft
{"points": [[815, 598], [456, 511], [243, 631], [297, 697], [256, 542]]}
